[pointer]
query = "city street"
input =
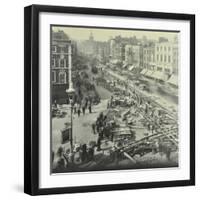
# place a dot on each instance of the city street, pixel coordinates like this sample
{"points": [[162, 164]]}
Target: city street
{"points": [[123, 95], [82, 126]]}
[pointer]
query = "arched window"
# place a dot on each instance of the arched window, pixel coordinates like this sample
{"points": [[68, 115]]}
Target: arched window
{"points": [[62, 63], [62, 77]]}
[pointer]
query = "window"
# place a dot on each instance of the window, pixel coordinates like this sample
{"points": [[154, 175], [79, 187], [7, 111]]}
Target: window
{"points": [[159, 69], [165, 58], [53, 76], [161, 58], [58, 49], [157, 57], [62, 77], [169, 48], [165, 48], [62, 63], [157, 48], [53, 62], [54, 49], [169, 58]]}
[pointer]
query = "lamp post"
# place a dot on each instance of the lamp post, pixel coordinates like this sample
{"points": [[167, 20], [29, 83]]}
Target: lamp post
{"points": [[70, 91]]}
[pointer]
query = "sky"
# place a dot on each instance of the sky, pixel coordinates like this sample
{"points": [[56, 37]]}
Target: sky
{"points": [[80, 33]]}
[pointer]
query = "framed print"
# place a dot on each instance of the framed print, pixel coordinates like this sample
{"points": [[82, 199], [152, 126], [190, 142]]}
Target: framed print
{"points": [[109, 100]]}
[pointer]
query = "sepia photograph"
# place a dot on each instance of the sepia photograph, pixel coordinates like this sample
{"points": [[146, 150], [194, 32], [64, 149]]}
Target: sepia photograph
{"points": [[109, 99], [114, 96]]}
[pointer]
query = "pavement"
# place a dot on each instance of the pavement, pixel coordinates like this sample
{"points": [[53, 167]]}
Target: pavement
{"points": [[82, 126]]}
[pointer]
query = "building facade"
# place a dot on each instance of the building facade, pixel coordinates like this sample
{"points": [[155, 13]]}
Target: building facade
{"points": [[149, 57], [117, 50], [59, 63], [103, 52], [166, 57], [134, 55], [59, 57]]}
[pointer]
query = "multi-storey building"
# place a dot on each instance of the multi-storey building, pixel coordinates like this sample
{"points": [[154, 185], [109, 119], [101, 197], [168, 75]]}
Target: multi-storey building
{"points": [[59, 57], [61, 48], [133, 55], [126, 50], [103, 52], [116, 50], [166, 56], [128, 55], [149, 57], [160, 60]]}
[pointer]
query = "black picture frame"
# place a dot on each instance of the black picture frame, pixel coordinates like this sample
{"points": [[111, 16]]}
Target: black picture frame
{"points": [[31, 98]]}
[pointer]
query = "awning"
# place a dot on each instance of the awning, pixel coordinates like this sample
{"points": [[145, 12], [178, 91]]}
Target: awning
{"points": [[131, 67], [173, 80], [115, 61], [149, 73], [160, 76], [143, 71], [124, 66], [152, 64]]}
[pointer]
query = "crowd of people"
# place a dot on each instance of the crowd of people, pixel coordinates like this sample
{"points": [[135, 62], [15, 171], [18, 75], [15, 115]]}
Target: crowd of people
{"points": [[82, 106], [67, 159], [103, 127]]}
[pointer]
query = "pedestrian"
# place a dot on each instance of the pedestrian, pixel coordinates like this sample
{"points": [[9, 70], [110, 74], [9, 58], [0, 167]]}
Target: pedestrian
{"points": [[90, 154], [84, 153], [90, 108], [149, 126], [108, 105], [83, 109], [79, 111], [116, 156], [156, 146], [97, 125], [55, 103], [75, 108], [99, 144], [153, 128], [101, 116], [101, 132], [60, 151], [60, 166], [168, 153], [94, 128], [111, 101], [71, 157], [86, 102], [112, 136], [90, 105]]}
